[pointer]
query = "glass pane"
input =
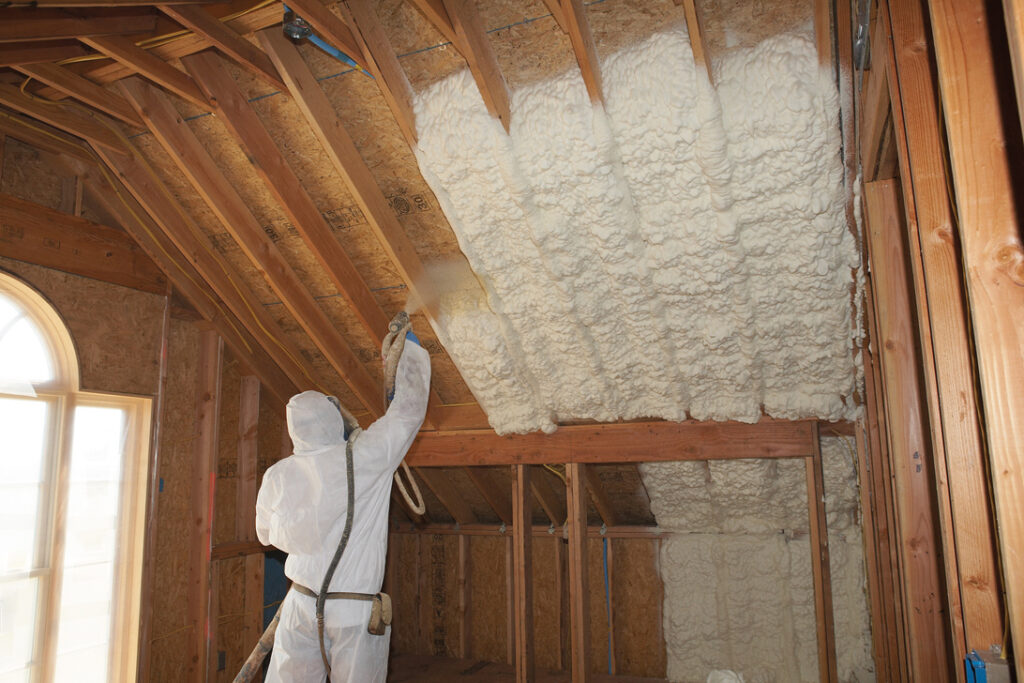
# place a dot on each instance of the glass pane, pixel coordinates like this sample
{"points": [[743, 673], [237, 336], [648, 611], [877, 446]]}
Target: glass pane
{"points": [[17, 628], [24, 354], [94, 491], [22, 460]]}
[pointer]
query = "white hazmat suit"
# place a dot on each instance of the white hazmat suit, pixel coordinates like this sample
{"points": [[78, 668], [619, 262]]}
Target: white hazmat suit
{"points": [[301, 509]]}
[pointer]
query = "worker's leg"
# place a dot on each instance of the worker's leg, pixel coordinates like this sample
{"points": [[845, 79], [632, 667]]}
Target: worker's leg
{"points": [[358, 656], [296, 656]]}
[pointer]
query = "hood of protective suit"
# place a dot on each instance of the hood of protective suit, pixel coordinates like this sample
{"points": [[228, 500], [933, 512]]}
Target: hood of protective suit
{"points": [[314, 423]]}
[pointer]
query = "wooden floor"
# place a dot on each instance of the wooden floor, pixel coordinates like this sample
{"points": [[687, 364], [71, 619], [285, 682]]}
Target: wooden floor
{"points": [[421, 668]]}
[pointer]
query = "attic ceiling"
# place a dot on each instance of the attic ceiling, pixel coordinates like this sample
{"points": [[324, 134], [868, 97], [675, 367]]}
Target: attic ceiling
{"points": [[275, 185]]}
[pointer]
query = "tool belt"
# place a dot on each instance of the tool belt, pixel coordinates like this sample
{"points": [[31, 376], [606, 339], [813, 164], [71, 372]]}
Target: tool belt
{"points": [[380, 611]]}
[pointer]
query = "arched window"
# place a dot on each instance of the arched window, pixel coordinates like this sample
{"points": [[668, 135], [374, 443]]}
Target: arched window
{"points": [[72, 506]]}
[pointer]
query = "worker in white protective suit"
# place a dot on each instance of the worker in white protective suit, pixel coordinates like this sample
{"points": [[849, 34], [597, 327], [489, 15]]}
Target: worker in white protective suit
{"points": [[301, 509]]}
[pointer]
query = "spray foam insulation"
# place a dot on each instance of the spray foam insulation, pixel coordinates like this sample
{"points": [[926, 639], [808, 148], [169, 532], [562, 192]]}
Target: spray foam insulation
{"points": [[680, 250]]}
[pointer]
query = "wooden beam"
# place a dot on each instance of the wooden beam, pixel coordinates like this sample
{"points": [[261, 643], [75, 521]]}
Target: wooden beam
{"points": [[204, 472], [522, 543], [820, 567], [15, 54], [145, 63], [1014, 16], [942, 320], [579, 593], [202, 269], [449, 496], [600, 499], [226, 40], [267, 160], [557, 13], [538, 530], [382, 63], [920, 550], [615, 443], [880, 645], [437, 15], [497, 497], [21, 25], [875, 112], [578, 29], [693, 29], [330, 27], [186, 280], [93, 127], [45, 137], [823, 32], [191, 157], [984, 155], [37, 234], [474, 46], [83, 90]]}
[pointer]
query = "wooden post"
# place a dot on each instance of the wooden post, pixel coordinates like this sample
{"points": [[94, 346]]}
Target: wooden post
{"points": [[522, 526], [930, 658], [579, 595], [204, 473], [820, 562], [510, 603], [982, 148], [248, 486], [972, 574], [465, 613]]}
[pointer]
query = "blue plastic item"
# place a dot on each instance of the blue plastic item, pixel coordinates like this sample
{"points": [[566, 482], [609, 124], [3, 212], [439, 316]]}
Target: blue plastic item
{"points": [[975, 668]]}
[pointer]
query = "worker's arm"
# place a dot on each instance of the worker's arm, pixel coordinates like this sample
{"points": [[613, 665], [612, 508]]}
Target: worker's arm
{"points": [[392, 435]]}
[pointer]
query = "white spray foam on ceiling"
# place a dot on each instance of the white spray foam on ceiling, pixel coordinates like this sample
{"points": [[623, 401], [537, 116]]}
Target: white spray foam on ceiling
{"points": [[681, 249]]}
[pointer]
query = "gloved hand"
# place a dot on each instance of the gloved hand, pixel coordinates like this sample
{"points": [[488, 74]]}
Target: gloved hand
{"points": [[412, 337]]}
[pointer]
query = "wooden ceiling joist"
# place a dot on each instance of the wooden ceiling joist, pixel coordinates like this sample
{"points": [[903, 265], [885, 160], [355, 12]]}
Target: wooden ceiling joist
{"points": [[226, 40], [13, 54], [20, 25], [574, 23], [87, 125], [192, 159], [190, 283], [47, 237], [616, 443], [43, 136], [83, 90], [382, 63], [145, 63]]}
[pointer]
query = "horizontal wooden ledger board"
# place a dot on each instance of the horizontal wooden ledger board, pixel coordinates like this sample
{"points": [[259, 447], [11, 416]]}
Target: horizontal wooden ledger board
{"points": [[631, 442]]}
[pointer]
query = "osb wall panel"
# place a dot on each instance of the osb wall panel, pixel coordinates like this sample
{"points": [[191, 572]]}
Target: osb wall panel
{"points": [[169, 605], [227, 616], [29, 174], [116, 330], [639, 640], [402, 581], [488, 598], [546, 605], [226, 486]]}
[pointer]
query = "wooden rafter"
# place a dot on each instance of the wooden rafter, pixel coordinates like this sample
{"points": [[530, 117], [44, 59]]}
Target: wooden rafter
{"points": [[145, 63], [496, 496], [20, 25], [14, 54], [330, 27], [437, 14], [552, 503], [615, 443], [599, 497], [191, 157], [83, 90], [820, 563], [45, 137], [50, 238], [574, 23], [696, 33], [94, 127], [450, 498], [226, 40]]}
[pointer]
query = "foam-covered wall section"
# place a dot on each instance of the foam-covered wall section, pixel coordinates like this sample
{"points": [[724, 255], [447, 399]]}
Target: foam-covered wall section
{"points": [[682, 249]]}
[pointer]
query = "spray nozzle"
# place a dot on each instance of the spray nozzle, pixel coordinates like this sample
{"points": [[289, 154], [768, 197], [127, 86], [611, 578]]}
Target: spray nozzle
{"points": [[398, 322]]}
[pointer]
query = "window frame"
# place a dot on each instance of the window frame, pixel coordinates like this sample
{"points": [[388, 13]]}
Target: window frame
{"points": [[64, 395]]}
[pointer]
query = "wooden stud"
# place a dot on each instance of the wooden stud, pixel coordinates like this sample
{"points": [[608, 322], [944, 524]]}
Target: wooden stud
{"points": [[984, 158], [523, 574], [972, 575], [226, 40], [83, 90], [496, 496], [40, 235], [579, 594], [911, 456], [94, 127], [880, 650], [449, 496], [820, 563], [510, 602], [1014, 17], [615, 443], [562, 601], [191, 157], [248, 486], [464, 581], [204, 472], [474, 46], [32, 24], [143, 62]]}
